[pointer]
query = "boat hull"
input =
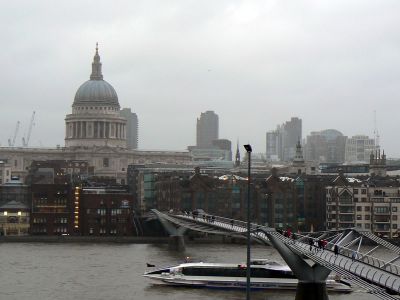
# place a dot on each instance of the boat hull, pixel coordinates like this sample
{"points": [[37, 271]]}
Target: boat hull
{"points": [[239, 283]]}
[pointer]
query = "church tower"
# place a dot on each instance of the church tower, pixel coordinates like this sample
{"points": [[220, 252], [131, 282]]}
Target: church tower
{"points": [[377, 163], [237, 157]]}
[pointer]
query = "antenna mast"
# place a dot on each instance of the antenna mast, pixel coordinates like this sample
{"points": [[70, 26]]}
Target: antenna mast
{"points": [[376, 133]]}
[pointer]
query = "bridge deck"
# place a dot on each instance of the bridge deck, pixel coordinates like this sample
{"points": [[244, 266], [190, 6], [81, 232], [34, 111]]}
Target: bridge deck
{"points": [[370, 273]]}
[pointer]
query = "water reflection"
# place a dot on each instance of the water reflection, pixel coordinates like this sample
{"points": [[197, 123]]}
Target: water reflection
{"points": [[311, 291]]}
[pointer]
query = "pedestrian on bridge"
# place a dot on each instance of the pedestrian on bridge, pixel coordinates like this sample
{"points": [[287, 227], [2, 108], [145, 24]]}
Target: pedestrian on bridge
{"points": [[336, 250], [294, 237], [319, 243], [311, 243], [353, 255], [324, 243]]}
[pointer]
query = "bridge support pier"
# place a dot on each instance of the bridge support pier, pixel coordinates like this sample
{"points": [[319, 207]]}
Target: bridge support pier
{"points": [[312, 278], [311, 291], [176, 242]]}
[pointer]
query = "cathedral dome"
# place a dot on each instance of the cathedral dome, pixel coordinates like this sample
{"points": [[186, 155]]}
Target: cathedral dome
{"points": [[96, 91]]}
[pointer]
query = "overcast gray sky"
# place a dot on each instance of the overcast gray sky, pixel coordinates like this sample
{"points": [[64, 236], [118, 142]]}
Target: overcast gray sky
{"points": [[255, 63]]}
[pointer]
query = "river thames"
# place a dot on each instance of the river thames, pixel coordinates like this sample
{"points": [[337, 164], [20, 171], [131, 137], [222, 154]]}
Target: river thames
{"points": [[69, 271]]}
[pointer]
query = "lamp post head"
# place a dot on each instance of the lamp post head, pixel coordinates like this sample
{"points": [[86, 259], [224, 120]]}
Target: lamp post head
{"points": [[248, 148]]}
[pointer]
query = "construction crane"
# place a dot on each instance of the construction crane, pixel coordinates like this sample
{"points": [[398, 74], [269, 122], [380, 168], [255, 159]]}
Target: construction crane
{"points": [[11, 142], [25, 141]]}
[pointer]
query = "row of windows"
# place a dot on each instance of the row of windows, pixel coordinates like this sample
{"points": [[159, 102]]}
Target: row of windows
{"points": [[364, 199], [60, 201], [100, 108], [382, 209], [103, 211], [366, 208], [360, 217], [377, 209], [39, 220], [60, 230], [103, 221], [363, 191], [39, 230], [61, 220], [104, 231], [238, 271], [44, 201]]}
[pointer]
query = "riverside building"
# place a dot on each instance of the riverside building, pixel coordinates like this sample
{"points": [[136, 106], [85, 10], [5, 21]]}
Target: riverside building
{"points": [[371, 203]]}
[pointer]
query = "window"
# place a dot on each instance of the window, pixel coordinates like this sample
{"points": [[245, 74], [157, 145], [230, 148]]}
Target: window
{"points": [[394, 208], [367, 217], [364, 191], [359, 208], [367, 208], [359, 217], [355, 191], [115, 211], [381, 209], [106, 162], [367, 226], [101, 211], [394, 218], [394, 226]]}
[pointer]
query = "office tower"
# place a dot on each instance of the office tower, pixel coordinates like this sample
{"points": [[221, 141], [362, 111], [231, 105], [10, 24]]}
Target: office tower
{"points": [[273, 143], [291, 135], [224, 144], [207, 130], [132, 128], [326, 146], [359, 148], [281, 143]]}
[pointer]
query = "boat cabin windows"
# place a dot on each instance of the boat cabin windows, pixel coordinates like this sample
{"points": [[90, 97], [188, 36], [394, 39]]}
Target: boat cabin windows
{"points": [[239, 271]]}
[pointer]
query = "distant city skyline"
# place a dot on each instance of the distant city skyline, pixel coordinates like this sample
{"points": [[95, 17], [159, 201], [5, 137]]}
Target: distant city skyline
{"points": [[255, 64]]}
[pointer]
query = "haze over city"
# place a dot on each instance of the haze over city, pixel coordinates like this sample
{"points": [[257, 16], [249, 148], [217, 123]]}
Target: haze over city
{"points": [[255, 63]]}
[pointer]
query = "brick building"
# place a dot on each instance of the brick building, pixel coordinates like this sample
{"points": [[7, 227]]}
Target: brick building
{"points": [[52, 211], [106, 211]]}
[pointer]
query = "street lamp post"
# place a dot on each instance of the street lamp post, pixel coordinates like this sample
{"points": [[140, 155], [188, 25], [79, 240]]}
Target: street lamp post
{"points": [[248, 150]]}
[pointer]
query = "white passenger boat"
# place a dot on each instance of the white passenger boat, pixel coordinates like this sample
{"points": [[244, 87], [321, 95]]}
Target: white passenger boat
{"points": [[264, 275]]}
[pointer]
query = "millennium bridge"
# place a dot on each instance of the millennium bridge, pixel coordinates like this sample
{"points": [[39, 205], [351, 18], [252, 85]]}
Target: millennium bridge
{"points": [[353, 260]]}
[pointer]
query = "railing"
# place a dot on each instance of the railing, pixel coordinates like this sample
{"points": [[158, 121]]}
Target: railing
{"points": [[257, 231]]}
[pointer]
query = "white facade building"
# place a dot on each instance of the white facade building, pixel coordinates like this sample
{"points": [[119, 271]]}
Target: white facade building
{"points": [[359, 149]]}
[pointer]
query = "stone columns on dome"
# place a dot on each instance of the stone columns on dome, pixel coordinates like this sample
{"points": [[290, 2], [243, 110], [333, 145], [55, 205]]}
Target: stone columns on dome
{"points": [[96, 129]]}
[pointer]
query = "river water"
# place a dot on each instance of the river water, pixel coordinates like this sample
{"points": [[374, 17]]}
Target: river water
{"points": [[67, 271]]}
